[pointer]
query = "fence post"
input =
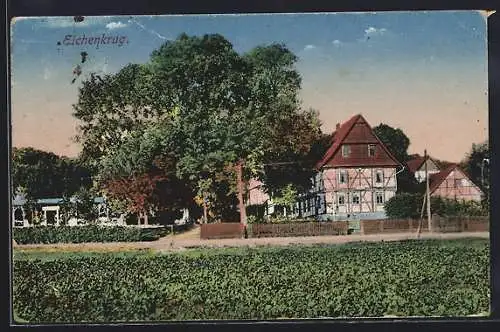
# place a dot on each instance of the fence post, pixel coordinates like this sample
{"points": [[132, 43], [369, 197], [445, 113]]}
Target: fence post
{"points": [[381, 225]]}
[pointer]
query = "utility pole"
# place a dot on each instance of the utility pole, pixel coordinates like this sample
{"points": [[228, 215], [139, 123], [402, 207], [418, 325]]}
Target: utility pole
{"points": [[427, 192], [421, 216], [243, 213]]}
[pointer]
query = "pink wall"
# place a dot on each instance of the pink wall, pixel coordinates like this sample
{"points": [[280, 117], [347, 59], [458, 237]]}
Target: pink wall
{"points": [[256, 194], [458, 186]]}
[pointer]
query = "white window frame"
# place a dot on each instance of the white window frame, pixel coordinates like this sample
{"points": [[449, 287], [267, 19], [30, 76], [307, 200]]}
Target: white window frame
{"points": [[356, 195], [377, 172], [346, 150], [377, 195], [374, 147], [344, 174]]}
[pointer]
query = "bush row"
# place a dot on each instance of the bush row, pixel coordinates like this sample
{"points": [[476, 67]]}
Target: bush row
{"points": [[406, 205], [414, 278], [81, 234]]}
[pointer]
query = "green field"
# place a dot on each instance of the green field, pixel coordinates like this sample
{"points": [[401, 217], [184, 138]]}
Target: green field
{"points": [[410, 278]]}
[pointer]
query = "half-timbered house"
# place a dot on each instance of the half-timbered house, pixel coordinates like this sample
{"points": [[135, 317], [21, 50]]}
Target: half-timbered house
{"points": [[354, 179], [453, 183], [357, 173]]}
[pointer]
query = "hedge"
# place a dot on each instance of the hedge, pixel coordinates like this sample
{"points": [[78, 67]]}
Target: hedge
{"points": [[81, 234], [413, 278], [406, 205]]}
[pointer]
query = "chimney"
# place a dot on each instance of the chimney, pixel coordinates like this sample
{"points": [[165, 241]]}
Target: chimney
{"points": [[337, 127]]}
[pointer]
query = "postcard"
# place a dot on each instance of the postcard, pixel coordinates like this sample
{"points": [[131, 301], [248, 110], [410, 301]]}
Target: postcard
{"points": [[249, 167]]}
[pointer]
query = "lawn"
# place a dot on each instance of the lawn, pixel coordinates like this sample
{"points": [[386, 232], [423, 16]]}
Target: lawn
{"points": [[409, 278]]}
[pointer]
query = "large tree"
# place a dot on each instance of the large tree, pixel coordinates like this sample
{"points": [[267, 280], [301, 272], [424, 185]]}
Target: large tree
{"points": [[45, 174], [214, 108], [476, 165], [395, 140], [397, 143], [141, 173]]}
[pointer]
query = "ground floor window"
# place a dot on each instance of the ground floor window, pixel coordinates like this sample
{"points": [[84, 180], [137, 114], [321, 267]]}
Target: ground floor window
{"points": [[379, 197], [355, 198], [341, 199]]}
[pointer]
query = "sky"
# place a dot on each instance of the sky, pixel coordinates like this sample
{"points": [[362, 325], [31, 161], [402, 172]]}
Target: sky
{"points": [[422, 72]]}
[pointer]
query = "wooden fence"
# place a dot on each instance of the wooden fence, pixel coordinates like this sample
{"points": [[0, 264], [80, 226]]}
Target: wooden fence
{"points": [[381, 226], [298, 229], [222, 231], [438, 225]]}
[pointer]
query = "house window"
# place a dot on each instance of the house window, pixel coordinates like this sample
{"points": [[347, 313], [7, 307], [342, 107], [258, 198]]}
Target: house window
{"points": [[355, 198], [379, 176], [379, 198], [341, 199], [343, 177], [346, 150], [371, 150]]}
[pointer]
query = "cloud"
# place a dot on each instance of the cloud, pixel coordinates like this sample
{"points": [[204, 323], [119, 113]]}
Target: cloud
{"points": [[309, 47], [115, 25], [336, 42], [372, 31]]}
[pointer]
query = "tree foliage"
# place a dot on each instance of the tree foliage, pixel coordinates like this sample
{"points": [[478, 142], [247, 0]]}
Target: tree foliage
{"points": [[395, 140], [45, 174], [404, 205], [475, 165], [198, 108], [397, 143]]}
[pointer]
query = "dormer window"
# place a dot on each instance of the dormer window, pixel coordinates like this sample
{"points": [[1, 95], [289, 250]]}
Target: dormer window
{"points": [[371, 150], [346, 150]]}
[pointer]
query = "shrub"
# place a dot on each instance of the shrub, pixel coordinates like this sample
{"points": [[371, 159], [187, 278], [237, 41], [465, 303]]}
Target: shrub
{"points": [[404, 205], [81, 234], [409, 206]]}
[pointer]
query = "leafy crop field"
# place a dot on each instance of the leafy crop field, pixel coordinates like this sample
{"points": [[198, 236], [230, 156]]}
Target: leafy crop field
{"points": [[411, 278]]}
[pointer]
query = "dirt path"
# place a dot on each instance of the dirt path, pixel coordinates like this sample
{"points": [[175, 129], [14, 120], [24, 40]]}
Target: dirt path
{"points": [[184, 241]]}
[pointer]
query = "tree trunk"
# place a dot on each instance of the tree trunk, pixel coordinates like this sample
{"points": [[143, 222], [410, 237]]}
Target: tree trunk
{"points": [[205, 212], [146, 218], [139, 218], [243, 212]]}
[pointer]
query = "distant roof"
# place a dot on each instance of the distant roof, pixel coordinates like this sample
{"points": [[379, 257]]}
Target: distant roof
{"points": [[340, 135], [436, 179], [415, 163]]}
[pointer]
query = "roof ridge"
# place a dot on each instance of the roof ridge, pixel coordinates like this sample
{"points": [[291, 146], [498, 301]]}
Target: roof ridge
{"points": [[334, 146], [440, 177], [345, 129]]}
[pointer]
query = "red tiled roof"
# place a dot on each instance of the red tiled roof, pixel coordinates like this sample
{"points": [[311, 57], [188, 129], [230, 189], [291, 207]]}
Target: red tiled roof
{"points": [[342, 134], [417, 162], [436, 179], [414, 164]]}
